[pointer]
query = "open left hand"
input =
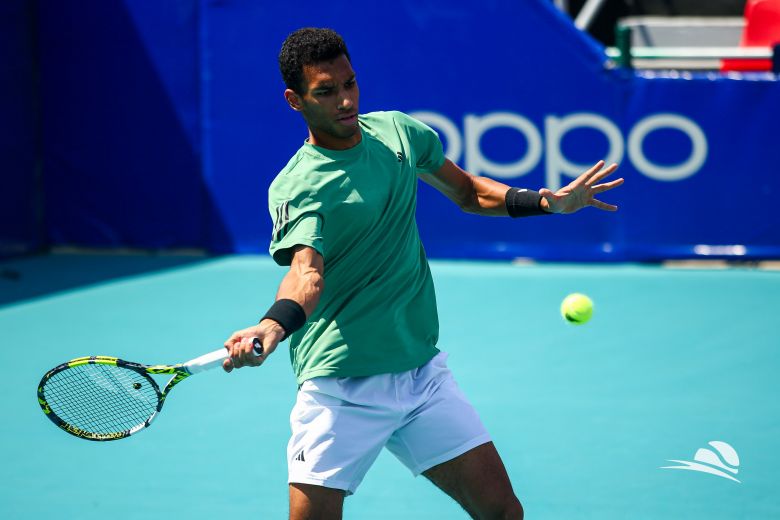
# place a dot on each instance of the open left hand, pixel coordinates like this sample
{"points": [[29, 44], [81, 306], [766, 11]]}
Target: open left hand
{"points": [[581, 191]]}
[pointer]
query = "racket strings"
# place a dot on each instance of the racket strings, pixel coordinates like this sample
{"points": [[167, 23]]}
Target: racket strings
{"points": [[101, 398]]}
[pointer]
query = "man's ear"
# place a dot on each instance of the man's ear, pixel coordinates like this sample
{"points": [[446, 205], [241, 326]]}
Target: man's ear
{"points": [[293, 99]]}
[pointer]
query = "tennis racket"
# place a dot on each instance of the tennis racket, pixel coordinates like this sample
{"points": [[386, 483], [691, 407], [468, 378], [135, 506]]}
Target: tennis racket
{"points": [[102, 398]]}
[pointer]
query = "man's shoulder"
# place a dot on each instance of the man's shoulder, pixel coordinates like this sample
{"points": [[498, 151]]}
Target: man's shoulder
{"points": [[296, 164], [294, 176], [302, 164], [393, 122], [400, 122], [385, 117]]}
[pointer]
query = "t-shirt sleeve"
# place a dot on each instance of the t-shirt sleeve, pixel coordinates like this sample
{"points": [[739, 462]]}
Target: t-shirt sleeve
{"points": [[425, 142], [297, 222]]}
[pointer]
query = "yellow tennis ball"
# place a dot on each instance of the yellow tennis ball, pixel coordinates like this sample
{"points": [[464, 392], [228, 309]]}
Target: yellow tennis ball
{"points": [[577, 308]]}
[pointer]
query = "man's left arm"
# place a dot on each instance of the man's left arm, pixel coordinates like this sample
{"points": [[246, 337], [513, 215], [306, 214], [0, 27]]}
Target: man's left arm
{"points": [[484, 196]]}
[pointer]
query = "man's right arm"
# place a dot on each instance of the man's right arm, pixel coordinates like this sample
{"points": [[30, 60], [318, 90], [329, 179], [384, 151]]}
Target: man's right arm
{"points": [[303, 284]]}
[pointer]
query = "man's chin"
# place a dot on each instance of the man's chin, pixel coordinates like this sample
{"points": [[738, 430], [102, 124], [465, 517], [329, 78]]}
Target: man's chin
{"points": [[344, 131]]}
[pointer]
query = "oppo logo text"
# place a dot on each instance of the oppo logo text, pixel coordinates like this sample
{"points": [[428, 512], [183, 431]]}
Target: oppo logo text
{"points": [[557, 165]]}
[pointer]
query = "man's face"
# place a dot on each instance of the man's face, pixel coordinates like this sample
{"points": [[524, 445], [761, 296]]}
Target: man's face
{"points": [[330, 103]]}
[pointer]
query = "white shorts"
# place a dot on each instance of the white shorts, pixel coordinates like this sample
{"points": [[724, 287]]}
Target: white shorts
{"points": [[340, 424]]}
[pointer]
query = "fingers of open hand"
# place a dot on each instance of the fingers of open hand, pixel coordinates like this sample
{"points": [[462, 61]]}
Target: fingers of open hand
{"points": [[596, 167], [597, 175], [599, 188], [586, 176], [602, 205]]}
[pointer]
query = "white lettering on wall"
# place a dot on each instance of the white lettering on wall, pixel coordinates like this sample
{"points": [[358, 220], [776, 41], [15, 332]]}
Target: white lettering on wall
{"points": [[555, 128], [667, 173], [475, 126]]}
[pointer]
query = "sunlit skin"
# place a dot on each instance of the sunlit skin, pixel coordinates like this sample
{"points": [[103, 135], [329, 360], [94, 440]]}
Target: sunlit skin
{"points": [[329, 104]]}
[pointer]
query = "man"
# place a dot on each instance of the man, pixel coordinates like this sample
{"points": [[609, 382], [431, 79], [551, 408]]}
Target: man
{"points": [[358, 302]]}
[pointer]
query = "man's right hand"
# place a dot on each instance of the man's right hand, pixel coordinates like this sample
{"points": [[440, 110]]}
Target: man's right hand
{"points": [[239, 345]]}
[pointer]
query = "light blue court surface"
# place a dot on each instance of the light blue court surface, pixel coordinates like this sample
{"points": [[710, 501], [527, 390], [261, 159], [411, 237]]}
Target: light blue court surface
{"points": [[584, 417]]}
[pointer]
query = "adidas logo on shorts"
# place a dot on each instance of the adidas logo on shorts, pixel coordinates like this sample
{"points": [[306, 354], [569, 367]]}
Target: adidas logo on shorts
{"points": [[299, 457]]}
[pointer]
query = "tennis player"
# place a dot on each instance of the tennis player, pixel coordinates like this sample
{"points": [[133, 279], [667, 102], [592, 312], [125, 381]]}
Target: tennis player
{"points": [[358, 301]]}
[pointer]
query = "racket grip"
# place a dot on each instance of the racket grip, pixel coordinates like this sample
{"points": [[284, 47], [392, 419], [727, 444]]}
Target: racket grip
{"points": [[215, 359]]}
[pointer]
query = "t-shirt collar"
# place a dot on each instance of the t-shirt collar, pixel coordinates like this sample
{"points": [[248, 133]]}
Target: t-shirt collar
{"points": [[336, 155]]}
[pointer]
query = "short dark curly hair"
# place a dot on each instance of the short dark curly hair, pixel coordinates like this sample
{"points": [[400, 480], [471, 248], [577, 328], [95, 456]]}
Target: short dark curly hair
{"points": [[308, 46]]}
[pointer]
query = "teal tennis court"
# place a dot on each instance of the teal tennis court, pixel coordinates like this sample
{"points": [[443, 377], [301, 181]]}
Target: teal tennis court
{"points": [[584, 417]]}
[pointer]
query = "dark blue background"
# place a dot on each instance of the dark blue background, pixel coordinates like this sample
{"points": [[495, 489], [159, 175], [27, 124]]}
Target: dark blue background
{"points": [[161, 124]]}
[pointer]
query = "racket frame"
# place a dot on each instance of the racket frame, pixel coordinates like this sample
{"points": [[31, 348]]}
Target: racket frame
{"points": [[179, 372]]}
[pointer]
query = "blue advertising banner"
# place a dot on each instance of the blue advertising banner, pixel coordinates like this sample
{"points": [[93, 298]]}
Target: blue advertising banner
{"points": [[120, 102], [164, 124], [517, 94]]}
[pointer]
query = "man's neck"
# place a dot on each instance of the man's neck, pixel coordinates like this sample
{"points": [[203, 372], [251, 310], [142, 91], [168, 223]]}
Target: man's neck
{"points": [[335, 143]]}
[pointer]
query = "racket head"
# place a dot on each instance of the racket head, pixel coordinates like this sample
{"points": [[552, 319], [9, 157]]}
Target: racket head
{"points": [[100, 398]]}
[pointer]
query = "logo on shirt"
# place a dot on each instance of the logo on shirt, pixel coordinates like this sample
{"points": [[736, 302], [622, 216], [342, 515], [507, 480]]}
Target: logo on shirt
{"points": [[400, 156], [282, 220], [723, 462], [299, 457]]}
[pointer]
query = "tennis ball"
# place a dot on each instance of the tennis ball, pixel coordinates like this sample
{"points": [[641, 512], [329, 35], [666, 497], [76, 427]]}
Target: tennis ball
{"points": [[577, 308]]}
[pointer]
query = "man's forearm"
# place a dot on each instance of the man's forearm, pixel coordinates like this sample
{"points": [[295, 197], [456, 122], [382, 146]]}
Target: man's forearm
{"points": [[305, 281], [302, 285], [489, 197], [474, 194]]}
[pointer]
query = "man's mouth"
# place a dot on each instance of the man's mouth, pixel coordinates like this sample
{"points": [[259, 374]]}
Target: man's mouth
{"points": [[348, 119]]}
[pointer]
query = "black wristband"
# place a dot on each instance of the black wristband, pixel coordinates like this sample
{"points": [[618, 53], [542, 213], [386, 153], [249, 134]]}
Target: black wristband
{"points": [[287, 313], [524, 203]]}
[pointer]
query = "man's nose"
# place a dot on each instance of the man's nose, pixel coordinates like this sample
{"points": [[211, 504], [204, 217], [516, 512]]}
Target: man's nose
{"points": [[346, 102]]}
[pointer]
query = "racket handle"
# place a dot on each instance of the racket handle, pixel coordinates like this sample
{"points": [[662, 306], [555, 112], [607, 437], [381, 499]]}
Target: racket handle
{"points": [[215, 359]]}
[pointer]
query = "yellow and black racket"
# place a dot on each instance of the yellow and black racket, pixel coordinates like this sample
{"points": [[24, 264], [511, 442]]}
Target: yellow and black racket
{"points": [[102, 398]]}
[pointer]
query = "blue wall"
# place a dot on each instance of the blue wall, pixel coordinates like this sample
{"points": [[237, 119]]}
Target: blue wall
{"points": [[121, 124], [19, 207], [165, 123]]}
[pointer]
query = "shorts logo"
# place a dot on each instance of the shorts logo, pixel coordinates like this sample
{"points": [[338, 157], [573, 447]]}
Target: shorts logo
{"points": [[723, 462], [299, 457], [400, 156]]}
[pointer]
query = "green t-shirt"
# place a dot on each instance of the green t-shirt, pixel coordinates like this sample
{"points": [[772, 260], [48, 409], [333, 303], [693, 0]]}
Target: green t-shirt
{"points": [[356, 207]]}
